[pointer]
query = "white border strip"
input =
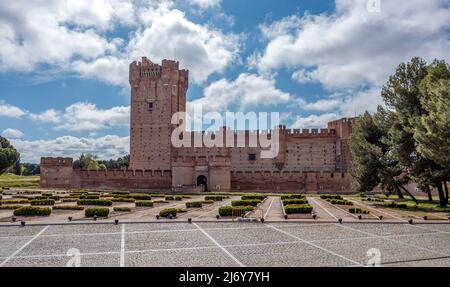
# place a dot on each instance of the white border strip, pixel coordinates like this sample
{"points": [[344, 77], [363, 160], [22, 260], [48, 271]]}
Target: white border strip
{"points": [[220, 246], [122, 247], [321, 206], [23, 246]]}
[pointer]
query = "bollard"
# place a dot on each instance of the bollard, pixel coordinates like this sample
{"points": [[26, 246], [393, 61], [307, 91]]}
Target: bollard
{"points": [[340, 220], [157, 216], [314, 216], [262, 220], [425, 217], [381, 217], [189, 220], [217, 217], [411, 221], [116, 221], [359, 217], [170, 216], [13, 219], [69, 218], [285, 216], [95, 217], [22, 223]]}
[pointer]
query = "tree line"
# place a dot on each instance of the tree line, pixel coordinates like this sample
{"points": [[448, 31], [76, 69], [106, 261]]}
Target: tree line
{"points": [[91, 162], [408, 139]]}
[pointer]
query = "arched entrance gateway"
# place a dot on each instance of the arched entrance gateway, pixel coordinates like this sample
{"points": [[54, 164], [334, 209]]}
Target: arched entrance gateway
{"points": [[202, 181]]}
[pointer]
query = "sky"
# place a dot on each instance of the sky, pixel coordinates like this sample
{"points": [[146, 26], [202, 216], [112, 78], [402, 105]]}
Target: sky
{"points": [[64, 64]]}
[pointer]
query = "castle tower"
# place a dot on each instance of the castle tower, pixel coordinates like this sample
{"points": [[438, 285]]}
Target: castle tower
{"points": [[157, 92]]}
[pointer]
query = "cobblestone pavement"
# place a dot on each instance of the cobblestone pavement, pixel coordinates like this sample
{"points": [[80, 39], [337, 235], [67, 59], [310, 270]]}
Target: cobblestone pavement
{"points": [[226, 244]]}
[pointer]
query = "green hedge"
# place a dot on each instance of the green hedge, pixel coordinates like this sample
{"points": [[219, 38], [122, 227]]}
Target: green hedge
{"points": [[70, 199], [43, 202], [122, 209], [340, 202], [170, 197], [96, 211], [12, 201], [357, 210], [123, 199], [194, 204], [295, 201], [215, 197], [298, 208], [207, 201], [90, 196], [10, 206], [168, 211], [292, 196], [120, 192], [33, 211], [68, 207], [139, 196], [100, 202], [396, 205], [253, 197], [142, 203], [228, 210], [252, 202], [331, 196]]}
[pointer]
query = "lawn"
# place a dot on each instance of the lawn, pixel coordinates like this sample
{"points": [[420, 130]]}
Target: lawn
{"points": [[11, 180]]}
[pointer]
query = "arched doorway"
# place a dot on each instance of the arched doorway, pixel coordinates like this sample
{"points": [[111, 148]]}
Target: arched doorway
{"points": [[202, 181]]}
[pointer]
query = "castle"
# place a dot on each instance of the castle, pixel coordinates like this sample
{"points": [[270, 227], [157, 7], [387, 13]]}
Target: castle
{"points": [[307, 160]]}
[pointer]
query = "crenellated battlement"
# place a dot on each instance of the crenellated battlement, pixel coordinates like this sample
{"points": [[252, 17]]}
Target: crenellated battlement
{"points": [[56, 161]]}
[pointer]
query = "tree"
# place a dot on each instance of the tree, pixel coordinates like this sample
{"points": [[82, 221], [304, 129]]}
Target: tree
{"points": [[8, 155], [87, 162], [403, 96]]}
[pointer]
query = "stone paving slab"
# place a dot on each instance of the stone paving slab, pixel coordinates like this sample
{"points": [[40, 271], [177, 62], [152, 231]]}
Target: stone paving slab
{"points": [[322, 232], [97, 260], [166, 240]]}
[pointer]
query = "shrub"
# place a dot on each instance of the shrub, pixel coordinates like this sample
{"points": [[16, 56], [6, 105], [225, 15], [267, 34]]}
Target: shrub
{"points": [[181, 210], [294, 201], [138, 196], [122, 209], [13, 201], [207, 201], [298, 208], [120, 192], [357, 210], [169, 197], [252, 202], [253, 197], [43, 202], [123, 199], [100, 202], [215, 197], [194, 204], [70, 199], [160, 201], [10, 206], [331, 196], [168, 211], [340, 202], [96, 211], [32, 211], [228, 210], [140, 203], [396, 205], [68, 207], [90, 196], [292, 196]]}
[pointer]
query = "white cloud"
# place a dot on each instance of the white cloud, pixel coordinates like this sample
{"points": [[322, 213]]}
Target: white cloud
{"points": [[109, 69], [87, 117], [353, 47], [106, 147], [12, 133], [204, 4], [314, 121], [246, 91], [49, 116], [9, 111]]}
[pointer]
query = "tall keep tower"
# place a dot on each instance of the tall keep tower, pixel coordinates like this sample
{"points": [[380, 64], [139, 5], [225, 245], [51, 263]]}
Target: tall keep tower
{"points": [[157, 92]]}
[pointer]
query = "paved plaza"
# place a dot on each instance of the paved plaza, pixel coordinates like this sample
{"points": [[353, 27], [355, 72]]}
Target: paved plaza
{"points": [[225, 244]]}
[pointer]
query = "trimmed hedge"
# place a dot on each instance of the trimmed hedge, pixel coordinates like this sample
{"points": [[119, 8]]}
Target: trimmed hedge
{"points": [[120, 192], [194, 204], [340, 202], [252, 202], [143, 203], [10, 206], [253, 197], [181, 210], [123, 199], [358, 210], [70, 199], [96, 211], [122, 209], [68, 207], [207, 201], [228, 210], [168, 211], [32, 211], [99, 202], [396, 205], [298, 208], [141, 196], [12, 201], [292, 196], [215, 197], [43, 202], [90, 196], [295, 201], [170, 197], [331, 196]]}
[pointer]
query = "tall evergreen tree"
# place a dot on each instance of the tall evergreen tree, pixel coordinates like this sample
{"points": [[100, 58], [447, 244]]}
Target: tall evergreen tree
{"points": [[8, 155]]}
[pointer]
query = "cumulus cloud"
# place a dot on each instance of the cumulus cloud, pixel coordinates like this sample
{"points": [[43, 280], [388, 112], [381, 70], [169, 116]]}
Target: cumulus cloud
{"points": [[246, 91], [106, 147], [10, 111], [314, 121], [49, 116], [354, 47], [12, 133]]}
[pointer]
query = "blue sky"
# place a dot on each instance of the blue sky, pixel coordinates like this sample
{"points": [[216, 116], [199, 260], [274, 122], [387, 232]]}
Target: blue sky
{"points": [[64, 64]]}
